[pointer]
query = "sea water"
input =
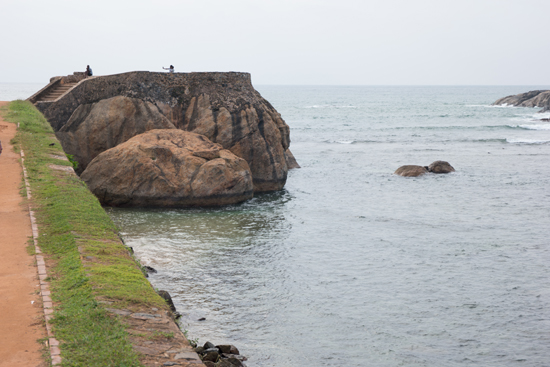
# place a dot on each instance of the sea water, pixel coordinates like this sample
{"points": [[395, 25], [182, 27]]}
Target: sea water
{"points": [[351, 265]]}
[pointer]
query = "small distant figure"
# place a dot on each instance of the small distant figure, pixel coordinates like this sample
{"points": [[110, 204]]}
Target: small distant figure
{"points": [[89, 71], [0, 147], [170, 69]]}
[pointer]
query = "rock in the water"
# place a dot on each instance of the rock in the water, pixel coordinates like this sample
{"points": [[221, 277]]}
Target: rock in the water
{"points": [[228, 349], [236, 356], [166, 296], [290, 160], [211, 356], [534, 98], [231, 362], [411, 171], [168, 168], [93, 128], [440, 167], [208, 345], [149, 269]]}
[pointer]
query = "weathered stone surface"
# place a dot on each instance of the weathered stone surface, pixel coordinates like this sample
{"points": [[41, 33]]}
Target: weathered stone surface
{"points": [[208, 345], [211, 356], [146, 350], [440, 167], [236, 356], [411, 171], [94, 128], [291, 162], [232, 362], [222, 106], [186, 355], [158, 168], [119, 312], [166, 296], [535, 98], [228, 349]]}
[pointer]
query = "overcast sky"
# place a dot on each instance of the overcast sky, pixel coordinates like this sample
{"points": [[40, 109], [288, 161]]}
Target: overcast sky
{"points": [[364, 42]]}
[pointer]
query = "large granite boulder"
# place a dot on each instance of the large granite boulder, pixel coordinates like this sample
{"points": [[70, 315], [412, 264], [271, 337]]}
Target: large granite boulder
{"points": [[535, 98], [169, 168], [95, 127], [255, 132], [224, 107]]}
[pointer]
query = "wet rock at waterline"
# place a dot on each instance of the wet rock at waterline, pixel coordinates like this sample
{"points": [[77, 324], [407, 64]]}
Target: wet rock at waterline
{"points": [[440, 167], [415, 171], [411, 171], [168, 299], [168, 168], [220, 355], [534, 98]]}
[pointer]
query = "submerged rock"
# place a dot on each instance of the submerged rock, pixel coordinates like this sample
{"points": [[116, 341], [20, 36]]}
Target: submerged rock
{"points": [[411, 171], [169, 168]]}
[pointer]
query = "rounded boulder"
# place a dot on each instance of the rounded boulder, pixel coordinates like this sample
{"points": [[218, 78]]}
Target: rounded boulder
{"points": [[440, 167], [169, 168]]}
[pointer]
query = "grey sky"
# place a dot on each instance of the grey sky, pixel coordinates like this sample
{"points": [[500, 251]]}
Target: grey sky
{"points": [[421, 42]]}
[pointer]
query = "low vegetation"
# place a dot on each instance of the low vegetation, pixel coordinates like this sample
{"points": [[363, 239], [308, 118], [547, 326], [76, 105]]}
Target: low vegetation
{"points": [[88, 265]]}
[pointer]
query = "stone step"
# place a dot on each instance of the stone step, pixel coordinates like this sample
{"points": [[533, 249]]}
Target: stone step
{"points": [[57, 92]]}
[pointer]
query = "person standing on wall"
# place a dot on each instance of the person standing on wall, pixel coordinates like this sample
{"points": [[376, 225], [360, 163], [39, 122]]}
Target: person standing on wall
{"points": [[171, 68]]}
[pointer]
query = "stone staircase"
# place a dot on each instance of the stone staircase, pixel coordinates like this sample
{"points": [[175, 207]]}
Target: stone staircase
{"points": [[56, 92]]}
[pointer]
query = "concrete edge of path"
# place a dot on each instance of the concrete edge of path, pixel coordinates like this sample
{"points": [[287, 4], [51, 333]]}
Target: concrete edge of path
{"points": [[47, 303]]}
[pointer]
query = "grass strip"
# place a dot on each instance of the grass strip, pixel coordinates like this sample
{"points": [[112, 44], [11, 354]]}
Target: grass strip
{"points": [[87, 263]]}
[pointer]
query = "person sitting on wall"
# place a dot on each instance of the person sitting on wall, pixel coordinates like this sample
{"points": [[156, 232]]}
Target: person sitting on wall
{"points": [[171, 68], [89, 71]]}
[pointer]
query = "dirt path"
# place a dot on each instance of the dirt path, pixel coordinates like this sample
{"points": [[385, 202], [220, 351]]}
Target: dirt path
{"points": [[21, 315]]}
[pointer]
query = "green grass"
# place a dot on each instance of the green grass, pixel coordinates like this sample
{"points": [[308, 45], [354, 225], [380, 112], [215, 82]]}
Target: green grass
{"points": [[87, 261]]}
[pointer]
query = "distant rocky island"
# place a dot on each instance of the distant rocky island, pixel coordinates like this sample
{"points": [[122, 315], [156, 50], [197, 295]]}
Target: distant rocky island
{"points": [[535, 98], [169, 139]]}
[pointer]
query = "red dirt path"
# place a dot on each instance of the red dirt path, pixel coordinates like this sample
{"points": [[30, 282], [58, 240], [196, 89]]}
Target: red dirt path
{"points": [[21, 313]]}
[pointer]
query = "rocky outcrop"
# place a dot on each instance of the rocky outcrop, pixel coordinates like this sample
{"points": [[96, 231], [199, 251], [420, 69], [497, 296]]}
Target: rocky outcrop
{"points": [[535, 98], [415, 171], [168, 168], [224, 107], [96, 127]]}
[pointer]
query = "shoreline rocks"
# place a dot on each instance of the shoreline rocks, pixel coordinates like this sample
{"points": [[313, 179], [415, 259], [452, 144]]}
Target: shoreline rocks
{"points": [[437, 167], [535, 98], [225, 355]]}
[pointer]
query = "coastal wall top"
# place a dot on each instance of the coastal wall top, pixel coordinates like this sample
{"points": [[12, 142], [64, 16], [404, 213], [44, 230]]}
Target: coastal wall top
{"points": [[224, 88]]}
